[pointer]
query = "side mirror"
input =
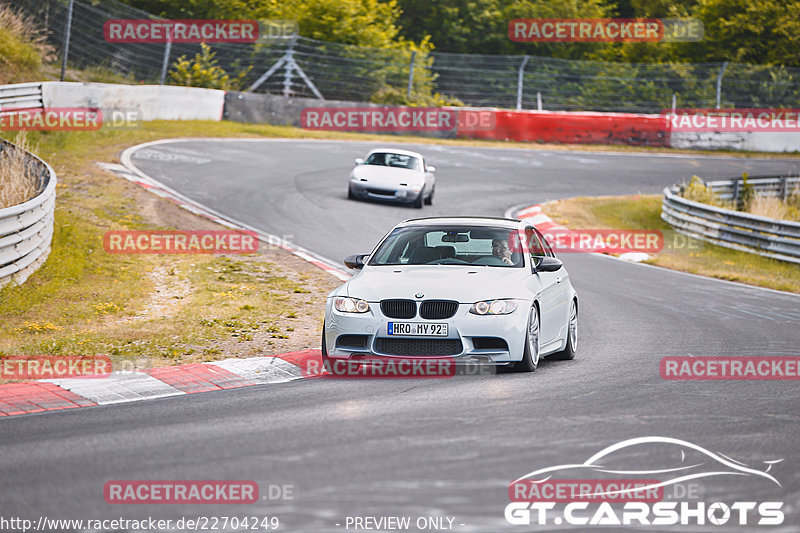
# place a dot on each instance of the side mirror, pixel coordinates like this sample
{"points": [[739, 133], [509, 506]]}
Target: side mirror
{"points": [[355, 262], [359, 161], [548, 264], [430, 168]]}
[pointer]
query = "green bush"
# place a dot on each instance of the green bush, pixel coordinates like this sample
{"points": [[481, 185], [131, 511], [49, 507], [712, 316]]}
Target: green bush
{"points": [[204, 71], [697, 191]]}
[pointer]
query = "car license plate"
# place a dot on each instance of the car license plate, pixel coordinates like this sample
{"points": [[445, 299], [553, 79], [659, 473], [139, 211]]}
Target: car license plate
{"points": [[420, 329]]}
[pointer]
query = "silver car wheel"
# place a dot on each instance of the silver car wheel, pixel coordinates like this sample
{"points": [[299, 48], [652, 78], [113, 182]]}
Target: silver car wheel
{"points": [[573, 325], [533, 336]]}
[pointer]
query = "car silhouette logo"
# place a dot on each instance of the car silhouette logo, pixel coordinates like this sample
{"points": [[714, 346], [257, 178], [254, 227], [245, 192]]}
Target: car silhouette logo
{"points": [[695, 462]]}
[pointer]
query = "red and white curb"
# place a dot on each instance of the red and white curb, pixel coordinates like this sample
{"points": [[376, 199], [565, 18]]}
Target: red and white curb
{"points": [[160, 382], [534, 215]]}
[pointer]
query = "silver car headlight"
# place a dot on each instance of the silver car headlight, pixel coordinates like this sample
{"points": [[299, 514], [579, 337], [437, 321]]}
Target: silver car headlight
{"points": [[350, 305], [493, 307]]}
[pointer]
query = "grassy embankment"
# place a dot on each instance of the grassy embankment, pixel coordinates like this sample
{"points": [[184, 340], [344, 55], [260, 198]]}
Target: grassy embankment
{"points": [[680, 252]]}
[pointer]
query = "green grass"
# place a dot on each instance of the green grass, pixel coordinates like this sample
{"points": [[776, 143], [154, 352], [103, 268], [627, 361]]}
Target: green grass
{"points": [[151, 310], [679, 252]]}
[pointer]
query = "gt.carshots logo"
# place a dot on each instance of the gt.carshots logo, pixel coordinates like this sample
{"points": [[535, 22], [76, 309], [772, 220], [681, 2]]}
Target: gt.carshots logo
{"points": [[639, 481]]}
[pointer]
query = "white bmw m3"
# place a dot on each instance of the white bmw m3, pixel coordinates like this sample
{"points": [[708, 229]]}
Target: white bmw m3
{"points": [[478, 290]]}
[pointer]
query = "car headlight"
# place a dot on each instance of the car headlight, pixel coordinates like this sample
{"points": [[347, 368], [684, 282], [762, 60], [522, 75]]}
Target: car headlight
{"points": [[493, 307], [350, 305]]}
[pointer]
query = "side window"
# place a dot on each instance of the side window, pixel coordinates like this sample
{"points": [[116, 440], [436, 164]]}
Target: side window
{"points": [[545, 245], [534, 243]]}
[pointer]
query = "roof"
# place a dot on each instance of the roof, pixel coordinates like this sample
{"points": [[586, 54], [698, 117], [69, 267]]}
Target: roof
{"points": [[395, 151], [462, 220]]}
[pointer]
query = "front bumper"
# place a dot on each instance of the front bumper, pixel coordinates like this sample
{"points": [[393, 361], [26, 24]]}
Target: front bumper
{"points": [[364, 190], [466, 332]]}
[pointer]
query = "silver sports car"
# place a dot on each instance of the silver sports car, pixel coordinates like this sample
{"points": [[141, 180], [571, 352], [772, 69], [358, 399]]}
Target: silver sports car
{"points": [[477, 290], [394, 175]]}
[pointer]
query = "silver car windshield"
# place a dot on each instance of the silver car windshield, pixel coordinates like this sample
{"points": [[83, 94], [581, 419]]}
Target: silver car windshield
{"points": [[393, 160], [457, 245]]}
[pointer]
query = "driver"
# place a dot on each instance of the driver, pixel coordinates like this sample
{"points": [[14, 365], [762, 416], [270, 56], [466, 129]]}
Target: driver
{"points": [[501, 251]]}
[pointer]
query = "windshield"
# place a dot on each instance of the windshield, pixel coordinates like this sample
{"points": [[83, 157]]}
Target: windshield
{"points": [[457, 245], [393, 160]]}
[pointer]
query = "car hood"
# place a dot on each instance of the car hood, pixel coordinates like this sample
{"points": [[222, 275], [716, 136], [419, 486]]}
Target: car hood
{"points": [[380, 175], [448, 282]]}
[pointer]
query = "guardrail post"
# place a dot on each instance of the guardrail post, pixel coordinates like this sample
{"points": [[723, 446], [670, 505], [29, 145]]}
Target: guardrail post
{"points": [[67, 33], [520, 82], [538, 100], [411, 74], [784, 187], [719, 83], [165, 61], [287, 73], [735, 194]]}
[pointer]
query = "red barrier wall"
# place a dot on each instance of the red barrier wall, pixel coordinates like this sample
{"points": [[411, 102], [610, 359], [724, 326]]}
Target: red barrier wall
{"points": [[586, 128]]}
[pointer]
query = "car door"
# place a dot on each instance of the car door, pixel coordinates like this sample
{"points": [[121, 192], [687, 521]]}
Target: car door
{"points": [[429, 178], [561, 309], [548, 283]]}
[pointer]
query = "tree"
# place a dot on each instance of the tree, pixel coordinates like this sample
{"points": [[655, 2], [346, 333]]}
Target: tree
{"points": [[750, 31], [362, 22]]}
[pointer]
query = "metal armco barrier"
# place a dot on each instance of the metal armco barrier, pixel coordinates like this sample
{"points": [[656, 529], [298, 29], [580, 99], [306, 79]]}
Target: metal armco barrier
{"points": [[21, 96], [26, 230], [776, 186], [778, 239]]}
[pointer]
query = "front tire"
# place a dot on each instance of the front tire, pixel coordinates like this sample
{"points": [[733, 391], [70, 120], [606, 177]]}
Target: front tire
{"points": [[350, 195], [429, 199], [418, 202], [569, 350], [530, 357]]}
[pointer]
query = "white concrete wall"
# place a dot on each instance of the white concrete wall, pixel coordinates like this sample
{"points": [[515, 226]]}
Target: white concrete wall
{"points": [[153, 102], [758, 141]]}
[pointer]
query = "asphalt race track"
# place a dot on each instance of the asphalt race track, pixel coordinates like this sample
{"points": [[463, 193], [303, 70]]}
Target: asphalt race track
{"points": [[437, 447]]}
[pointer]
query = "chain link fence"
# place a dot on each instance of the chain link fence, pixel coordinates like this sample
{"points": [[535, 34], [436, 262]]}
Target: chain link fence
{"points": [[305, 67]]}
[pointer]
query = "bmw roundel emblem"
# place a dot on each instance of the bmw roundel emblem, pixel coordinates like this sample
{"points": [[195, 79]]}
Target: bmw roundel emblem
{"points": [[419, 295]]}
